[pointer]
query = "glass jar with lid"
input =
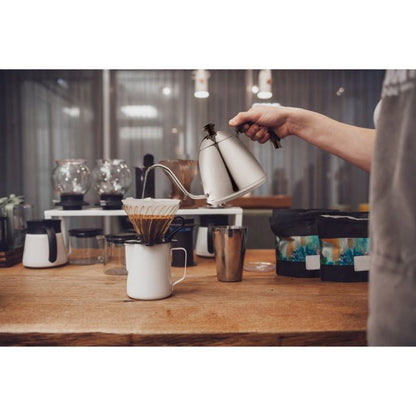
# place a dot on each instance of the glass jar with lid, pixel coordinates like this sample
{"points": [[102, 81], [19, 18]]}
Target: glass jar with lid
{"points": [[114, 254], [86, 246]]}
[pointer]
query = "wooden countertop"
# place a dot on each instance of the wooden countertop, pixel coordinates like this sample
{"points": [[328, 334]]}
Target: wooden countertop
{"points": [[80, 305]]}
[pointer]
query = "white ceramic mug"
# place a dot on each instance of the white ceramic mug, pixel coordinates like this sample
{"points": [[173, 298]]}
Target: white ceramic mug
{"points": [[149, 270]]}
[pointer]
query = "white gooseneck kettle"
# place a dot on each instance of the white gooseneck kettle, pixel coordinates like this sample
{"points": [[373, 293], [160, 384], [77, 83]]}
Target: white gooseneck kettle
{"points": [[228, 169]]}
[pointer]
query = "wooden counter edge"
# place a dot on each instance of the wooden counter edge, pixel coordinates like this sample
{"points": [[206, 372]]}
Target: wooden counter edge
{"points": [[332, 338]]}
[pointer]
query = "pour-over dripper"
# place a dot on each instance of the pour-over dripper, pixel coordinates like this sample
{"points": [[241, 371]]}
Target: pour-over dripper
{"points": [[151, 218], [185, 171]]}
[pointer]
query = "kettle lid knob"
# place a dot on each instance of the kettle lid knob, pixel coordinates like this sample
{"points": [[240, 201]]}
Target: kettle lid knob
{"points": [[209, 128]]}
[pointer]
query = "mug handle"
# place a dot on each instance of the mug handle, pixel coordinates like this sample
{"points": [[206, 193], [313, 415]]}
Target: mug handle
{"points": [[184, 270]]}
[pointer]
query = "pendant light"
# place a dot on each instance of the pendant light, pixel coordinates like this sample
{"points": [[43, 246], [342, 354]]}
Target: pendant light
{"points": [[265, 84], [201, 77]]}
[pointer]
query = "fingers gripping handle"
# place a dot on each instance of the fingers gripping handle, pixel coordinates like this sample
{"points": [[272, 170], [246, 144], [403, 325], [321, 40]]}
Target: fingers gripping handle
{"points": [[274, 138]]}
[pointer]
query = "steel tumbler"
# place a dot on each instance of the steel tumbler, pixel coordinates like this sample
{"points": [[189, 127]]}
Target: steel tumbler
{"points": [[230, 248]]}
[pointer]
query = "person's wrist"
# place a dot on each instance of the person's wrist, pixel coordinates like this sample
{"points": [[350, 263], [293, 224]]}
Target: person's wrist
{"points": [[298, 120], [291, 121]]}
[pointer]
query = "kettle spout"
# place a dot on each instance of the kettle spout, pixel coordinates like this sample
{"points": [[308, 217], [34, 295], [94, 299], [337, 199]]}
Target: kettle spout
{"points": [[174, 179]]}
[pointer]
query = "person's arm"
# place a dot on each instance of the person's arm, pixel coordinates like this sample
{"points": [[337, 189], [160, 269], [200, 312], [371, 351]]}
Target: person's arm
{"points": [[351, 143]]}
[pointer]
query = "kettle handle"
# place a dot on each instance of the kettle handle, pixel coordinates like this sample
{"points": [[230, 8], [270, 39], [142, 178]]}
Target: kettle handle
{"points": [[274, 138], [53, 248]]}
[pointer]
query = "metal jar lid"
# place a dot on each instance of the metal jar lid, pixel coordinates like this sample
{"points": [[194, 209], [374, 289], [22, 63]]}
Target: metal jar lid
{"points": [[120, 238], [85, 232]]}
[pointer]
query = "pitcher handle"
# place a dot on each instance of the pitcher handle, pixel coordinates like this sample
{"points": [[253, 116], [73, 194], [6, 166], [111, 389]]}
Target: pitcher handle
{"points": [[53, 247], [184, 270]]}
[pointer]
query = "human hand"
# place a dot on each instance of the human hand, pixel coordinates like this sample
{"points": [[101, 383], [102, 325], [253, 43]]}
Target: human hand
{"points": [[263, 118]]}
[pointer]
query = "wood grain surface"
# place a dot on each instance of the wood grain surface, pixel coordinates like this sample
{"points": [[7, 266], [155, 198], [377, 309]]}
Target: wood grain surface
{"points": [[80, 305]]}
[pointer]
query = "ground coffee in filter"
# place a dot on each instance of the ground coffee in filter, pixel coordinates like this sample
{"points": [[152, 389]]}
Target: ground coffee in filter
{"points": [[151, 217]]}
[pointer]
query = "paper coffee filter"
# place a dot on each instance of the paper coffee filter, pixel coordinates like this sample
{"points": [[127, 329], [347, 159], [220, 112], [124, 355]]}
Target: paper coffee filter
{"points": [[151, 206], [151, 217]]}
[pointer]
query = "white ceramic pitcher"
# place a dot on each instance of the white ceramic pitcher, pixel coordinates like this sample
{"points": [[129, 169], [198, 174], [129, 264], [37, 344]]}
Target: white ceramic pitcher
{"points": [[149, 270], [44, 244]]}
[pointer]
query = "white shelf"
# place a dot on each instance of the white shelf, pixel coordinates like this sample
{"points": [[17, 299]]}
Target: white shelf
{"points": [[99, 212], [86, 212]]}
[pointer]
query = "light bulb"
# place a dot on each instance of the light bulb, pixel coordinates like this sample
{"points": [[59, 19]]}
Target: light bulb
{"points": [[201, 94], [264, 95], [265, 84], [166, 90]]}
